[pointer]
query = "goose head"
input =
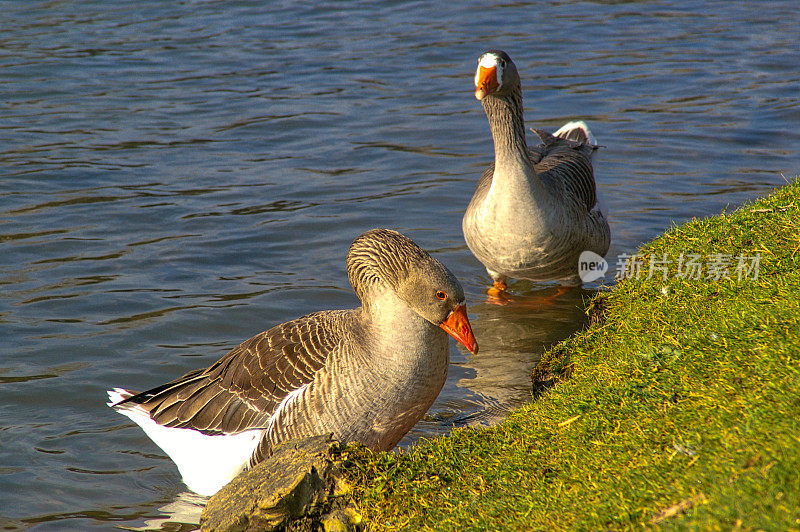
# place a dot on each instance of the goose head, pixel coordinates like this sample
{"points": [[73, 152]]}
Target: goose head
{"points": [[496, 74], [381, 259]]}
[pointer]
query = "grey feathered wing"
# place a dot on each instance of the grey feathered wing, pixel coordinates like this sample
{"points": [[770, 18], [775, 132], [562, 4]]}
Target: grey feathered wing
{"points": [[564, 162]]}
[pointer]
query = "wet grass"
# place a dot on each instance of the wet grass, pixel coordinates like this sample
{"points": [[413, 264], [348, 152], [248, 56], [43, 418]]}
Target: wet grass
{"points": [[679, 408]]}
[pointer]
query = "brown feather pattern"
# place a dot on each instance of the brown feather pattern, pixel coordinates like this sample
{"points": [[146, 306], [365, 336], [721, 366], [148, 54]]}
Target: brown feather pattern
{"points": [[241, 390]]}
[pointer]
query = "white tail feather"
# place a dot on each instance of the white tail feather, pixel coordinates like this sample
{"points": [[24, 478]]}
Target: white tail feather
{"points": [[205, 462], [564, 130], [117, 395]]}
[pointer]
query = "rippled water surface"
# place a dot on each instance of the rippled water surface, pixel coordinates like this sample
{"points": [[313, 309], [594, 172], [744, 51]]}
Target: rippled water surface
{"points": [[177, 176]]}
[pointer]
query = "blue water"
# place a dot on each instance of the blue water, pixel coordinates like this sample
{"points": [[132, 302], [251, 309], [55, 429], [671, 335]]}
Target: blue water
{"points": [[177, 176]]}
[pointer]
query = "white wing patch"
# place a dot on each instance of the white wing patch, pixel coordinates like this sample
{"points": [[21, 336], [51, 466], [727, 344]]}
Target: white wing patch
{"points": [[205, 462]]}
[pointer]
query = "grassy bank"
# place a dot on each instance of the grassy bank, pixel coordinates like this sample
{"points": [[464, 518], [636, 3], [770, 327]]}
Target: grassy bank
{"points": [[680, 408]]}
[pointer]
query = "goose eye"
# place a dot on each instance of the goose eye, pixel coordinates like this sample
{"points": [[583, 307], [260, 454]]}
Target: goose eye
{"points": [[441, 295]]}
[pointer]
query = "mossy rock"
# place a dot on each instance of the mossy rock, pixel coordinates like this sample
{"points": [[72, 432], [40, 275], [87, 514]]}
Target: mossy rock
{"points": [[299, 477]]}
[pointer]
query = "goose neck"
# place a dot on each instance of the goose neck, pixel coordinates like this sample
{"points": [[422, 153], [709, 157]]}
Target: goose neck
{"points": [[505, 115], [395, 327]]}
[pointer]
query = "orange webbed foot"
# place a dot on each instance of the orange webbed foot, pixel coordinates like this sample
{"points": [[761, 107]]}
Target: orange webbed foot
{"points": [[497, 294]]}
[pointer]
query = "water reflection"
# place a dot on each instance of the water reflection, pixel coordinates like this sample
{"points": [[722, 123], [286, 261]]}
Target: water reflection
{"points": [[513, 337], [180, 515]]}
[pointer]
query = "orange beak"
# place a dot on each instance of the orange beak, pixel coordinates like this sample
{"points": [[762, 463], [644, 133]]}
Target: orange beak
{"points": [[457, 326], [485, 82]]}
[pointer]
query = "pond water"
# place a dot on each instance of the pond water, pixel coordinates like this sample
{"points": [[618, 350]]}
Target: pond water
{"points": [[178, 176]]}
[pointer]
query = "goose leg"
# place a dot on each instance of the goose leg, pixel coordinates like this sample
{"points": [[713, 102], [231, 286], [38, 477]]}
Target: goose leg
{"points": [[498, 289], [497, 293]]}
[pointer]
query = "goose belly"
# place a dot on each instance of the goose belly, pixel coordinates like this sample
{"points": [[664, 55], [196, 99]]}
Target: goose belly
{"points": [[526, 256], [528, 245]]}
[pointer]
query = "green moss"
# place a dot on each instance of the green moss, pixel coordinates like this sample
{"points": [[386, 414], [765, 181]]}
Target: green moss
{"points": [[679, 408]]}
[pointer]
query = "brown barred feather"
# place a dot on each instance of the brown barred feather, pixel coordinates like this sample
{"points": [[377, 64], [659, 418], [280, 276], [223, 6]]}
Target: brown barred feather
{"points": [[241, 390]]}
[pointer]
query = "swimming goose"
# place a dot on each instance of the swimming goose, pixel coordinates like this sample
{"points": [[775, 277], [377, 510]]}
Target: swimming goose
{"points": [[534, 210], [365, 375]]}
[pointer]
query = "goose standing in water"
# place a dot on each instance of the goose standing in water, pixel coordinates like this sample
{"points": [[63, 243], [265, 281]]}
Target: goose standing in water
{"points": [[534, 210], [365, 375]]}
